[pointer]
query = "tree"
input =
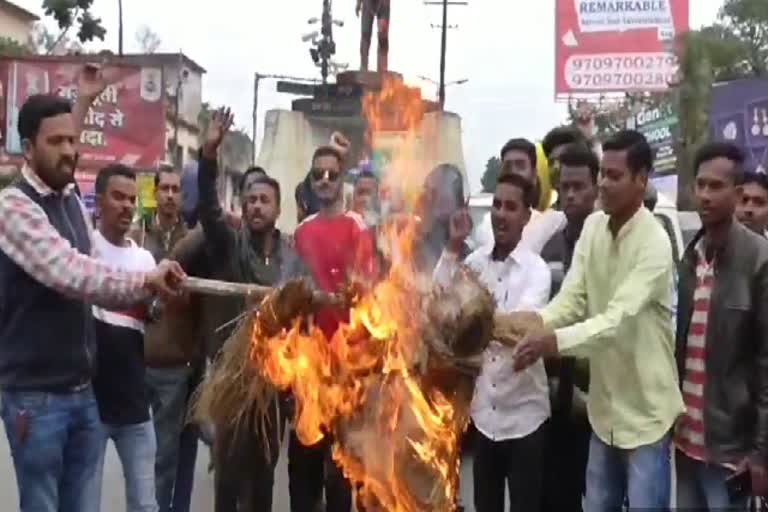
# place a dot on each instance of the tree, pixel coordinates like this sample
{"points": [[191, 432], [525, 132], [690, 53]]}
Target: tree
{"points": [[12, 48], [46, 42], [491, 174], [68, 13], [726, 52], [692, 97], [148, 40], [747, 20]]}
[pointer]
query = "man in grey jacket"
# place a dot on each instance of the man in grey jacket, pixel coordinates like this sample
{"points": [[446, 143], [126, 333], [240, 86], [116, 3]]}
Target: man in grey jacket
{"points": [[722, 346], [255, 253]]}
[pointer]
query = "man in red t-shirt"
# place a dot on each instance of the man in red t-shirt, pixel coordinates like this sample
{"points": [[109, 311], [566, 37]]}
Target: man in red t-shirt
{"points": [[336, 247]]}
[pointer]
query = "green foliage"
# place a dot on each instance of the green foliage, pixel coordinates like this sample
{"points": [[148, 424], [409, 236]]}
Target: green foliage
{"points": [[726, 52], [610, 114], [692, 98], [491, 174], [46, 42], [747, 20], [69, 13], [12, 48]]}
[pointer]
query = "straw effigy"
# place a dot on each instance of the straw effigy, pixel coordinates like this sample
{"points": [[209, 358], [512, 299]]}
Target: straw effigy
{"points": [[453, 326]]}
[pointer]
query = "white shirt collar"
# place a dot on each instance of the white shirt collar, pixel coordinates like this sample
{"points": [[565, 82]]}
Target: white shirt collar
{"points": [[515, 255]]}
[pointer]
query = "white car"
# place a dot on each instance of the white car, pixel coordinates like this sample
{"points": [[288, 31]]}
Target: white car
{"points": [[680, 226]]}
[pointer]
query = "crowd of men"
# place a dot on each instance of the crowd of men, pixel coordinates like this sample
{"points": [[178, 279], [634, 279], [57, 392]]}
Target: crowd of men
{"points": [[639, 366]]}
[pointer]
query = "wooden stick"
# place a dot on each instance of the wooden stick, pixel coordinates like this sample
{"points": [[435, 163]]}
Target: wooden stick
{"points": [[508, 329], [252, 292], [225, 288]]}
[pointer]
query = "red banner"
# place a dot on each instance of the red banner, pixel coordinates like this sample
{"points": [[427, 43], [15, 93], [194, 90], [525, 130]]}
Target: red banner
{"points": [[126, 124], [616, 46]]}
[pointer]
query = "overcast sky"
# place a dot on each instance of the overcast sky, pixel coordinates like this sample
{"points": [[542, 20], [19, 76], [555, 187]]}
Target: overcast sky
{"points": [[508, 95]]}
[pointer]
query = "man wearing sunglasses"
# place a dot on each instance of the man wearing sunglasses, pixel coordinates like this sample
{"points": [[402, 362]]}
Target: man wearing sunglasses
{"points": [[336, 247]]}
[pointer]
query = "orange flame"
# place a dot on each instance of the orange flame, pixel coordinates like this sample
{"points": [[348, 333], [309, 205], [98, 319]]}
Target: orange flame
{"points": [[395, 437]]}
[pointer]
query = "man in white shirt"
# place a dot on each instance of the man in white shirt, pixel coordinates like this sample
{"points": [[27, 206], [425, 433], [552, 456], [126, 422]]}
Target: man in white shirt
{"points": [[510, 410], [519, 157], [119, 382]]}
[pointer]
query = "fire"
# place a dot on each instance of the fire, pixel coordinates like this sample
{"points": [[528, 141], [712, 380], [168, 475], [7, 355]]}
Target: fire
{"points": [[395, 433]]}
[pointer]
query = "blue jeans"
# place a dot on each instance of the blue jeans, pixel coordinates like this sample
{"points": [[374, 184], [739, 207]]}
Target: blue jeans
{"points": [[185, 472], [640, 475], [136, 446], [168, 391], [701, 486], [55, 441]]}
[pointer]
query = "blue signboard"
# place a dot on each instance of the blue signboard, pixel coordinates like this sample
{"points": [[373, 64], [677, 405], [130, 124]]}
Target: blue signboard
{"points": [[739, 114]]}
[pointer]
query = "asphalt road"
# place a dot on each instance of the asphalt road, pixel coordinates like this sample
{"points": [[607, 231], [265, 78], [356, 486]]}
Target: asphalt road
{"points": [[113, 494]]}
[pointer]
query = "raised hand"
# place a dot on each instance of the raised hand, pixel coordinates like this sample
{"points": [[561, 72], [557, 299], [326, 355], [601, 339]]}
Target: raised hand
{"points": [[358, 8], [220, 124], [460, 226], [340, 143], [92, 80]]}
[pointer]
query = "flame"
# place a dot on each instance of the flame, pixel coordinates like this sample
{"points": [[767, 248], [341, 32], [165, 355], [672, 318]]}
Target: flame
{"points": [[394, 116], [395, 436]]}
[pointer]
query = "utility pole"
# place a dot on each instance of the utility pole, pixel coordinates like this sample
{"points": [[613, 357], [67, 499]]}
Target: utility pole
{"points": [[443, 45], [257, 78], [120, 27]]}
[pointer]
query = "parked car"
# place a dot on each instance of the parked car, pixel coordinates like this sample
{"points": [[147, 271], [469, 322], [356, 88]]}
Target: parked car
{"points": [[680, 226]]}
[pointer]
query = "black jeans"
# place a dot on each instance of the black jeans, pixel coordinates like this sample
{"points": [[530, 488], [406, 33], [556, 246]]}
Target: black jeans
{"points": [[565, 462], [312, 469], [518, 462], [245, 467]]}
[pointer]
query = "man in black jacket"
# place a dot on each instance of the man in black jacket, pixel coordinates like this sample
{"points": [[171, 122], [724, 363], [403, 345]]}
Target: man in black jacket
{"points": [[256, 253], [568, 447], [722, 345]]}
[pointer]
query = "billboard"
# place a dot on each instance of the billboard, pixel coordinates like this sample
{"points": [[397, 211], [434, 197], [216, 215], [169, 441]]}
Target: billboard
{"points": [[126, 124], [616, 45], [739, 114], [660, 125]]}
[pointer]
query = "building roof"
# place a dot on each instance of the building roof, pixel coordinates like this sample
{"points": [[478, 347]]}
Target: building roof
{"points": [[130, 59], [18, 10], [162, 59]]}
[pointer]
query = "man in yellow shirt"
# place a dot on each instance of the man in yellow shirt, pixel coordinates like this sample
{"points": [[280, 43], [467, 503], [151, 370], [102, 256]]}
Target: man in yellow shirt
{"points": [[614, 308]]}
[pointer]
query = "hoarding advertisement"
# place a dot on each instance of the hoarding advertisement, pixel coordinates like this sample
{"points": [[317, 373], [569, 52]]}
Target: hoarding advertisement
{"points": [[616, 46], [660, 126], [125, 124]]}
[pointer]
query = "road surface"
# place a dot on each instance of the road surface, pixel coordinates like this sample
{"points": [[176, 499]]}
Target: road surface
{"points": [[113, 494]]}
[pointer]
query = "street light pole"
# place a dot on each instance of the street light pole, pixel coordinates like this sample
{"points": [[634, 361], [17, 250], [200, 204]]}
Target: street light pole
{"points": [[445, 84], [256, 80]]}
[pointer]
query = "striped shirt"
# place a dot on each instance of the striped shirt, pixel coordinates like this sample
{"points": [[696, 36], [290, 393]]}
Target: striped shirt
{"points": [[690, 433]]}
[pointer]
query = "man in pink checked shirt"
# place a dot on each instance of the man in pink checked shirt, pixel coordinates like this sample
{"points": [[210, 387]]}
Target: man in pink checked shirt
{"points": [[48, 282]]}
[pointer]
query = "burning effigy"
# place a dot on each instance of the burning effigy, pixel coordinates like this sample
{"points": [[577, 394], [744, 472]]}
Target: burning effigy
{"points": [[391, 389]]}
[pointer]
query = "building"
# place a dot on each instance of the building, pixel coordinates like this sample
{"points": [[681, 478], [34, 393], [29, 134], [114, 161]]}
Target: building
{"points": [[182, 79], [16, 22]]}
